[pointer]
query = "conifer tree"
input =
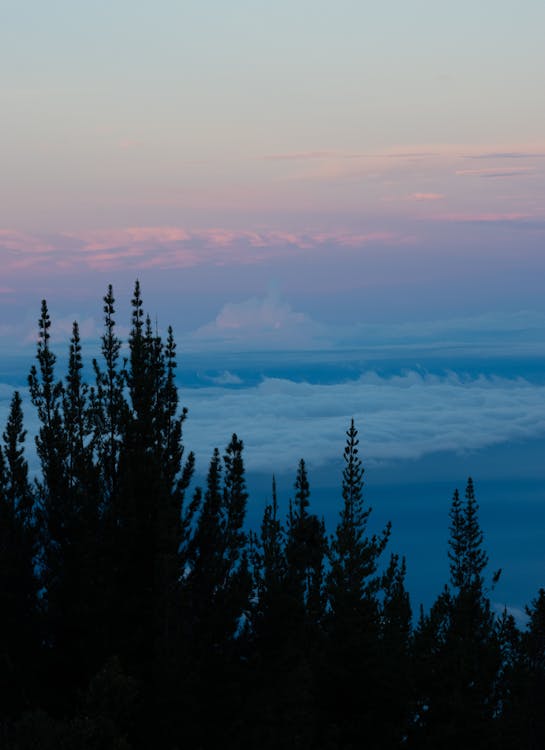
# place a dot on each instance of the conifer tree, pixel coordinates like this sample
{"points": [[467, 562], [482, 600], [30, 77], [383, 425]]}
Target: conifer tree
{"points": [[216, 587], [461, 675], [353, 621], [306, 549], [109, 405], [523, 683], [270, 571], [152, 477], [59, 525], [218, 580], [19, 623], [354, 555], [46, 395], [394, 684]]}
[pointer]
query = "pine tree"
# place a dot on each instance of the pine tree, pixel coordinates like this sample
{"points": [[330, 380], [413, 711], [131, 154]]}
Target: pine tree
{"points": [[523, 684], [462, 672], [218, 579], [270, 575], [354, 555], [19, 623], [109, 407], [306, 549], [475, 557], [58, 526], [216, 587], [46, 396], [457, 542], [354, 619], [394, 685], [146, 515]]}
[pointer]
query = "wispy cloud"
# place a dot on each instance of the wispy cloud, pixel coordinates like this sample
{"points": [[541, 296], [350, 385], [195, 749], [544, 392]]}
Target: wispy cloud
{"points": [[303, 156], [498, 172], [17, 243], [484, 218], [312, 155], [425, 197], [508, 155], [171, 247]]}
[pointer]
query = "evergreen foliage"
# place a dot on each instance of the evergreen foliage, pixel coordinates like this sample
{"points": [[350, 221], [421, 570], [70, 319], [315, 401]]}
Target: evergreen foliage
{"points": [[459, 673], [138, 611], [19, 606]]}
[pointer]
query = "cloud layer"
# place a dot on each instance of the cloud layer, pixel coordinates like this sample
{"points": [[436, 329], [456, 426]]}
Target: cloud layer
{"points": [[169, 247], [408, 416], [402, 417]]}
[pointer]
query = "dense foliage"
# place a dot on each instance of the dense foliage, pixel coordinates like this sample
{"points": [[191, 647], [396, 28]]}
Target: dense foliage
{"points": [[136, 611]]}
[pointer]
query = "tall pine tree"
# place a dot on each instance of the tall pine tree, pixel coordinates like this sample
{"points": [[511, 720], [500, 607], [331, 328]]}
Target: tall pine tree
{"points": [[19, 621], [457, 704]]}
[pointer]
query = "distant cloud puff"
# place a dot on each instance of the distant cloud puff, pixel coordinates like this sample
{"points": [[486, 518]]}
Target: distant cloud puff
{"points": [[225, 378], [262, 323], [271, 323]]}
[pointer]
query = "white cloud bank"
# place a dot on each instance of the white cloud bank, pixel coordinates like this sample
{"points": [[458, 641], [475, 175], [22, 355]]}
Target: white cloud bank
{"points": [[402, 417]]}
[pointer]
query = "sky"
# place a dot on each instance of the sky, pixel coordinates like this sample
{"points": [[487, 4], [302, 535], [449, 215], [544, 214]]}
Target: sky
{"points": [[340, 207]]}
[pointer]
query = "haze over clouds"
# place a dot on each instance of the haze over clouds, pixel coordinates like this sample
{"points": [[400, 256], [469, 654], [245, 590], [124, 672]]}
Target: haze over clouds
{"points": [[325, 179]]}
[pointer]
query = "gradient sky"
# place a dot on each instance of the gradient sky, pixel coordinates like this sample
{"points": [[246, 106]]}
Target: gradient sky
{"points": [[361, 182], [300, 176], [285, 115], [394, 151]]}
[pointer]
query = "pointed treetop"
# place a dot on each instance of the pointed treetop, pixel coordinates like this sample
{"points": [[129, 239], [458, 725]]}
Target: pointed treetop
{"points": [[302, 491]]}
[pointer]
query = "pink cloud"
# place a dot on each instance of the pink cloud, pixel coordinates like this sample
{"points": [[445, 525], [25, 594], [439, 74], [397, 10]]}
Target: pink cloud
{"points": [[171, 247], [359, 240], [21, 242], [102, 239]]}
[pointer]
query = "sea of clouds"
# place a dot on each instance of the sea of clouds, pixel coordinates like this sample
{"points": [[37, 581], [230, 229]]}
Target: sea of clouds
{"points": [[401, 416], [405, 416]]}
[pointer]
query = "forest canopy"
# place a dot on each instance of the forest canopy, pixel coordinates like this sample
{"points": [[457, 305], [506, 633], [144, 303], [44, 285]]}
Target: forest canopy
{"points": [[138, 610]]}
